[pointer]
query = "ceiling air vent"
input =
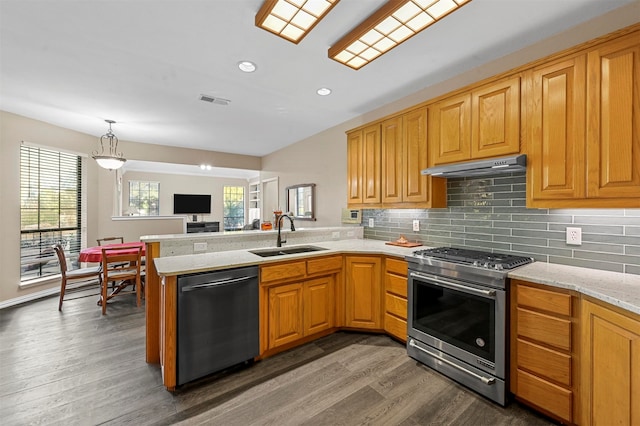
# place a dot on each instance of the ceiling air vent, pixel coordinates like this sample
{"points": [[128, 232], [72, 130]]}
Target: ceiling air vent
{"points": [[214, 100]]}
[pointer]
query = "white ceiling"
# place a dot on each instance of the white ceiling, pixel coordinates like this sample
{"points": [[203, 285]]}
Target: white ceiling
{"points": [[144, 64]]}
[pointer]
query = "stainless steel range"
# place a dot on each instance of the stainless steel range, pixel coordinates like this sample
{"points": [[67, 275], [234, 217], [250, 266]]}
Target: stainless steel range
{"points": [[457, 315]]}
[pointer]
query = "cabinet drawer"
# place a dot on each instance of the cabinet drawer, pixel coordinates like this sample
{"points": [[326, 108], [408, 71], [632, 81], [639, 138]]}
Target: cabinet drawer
{"points": [[544, 328], [544, 362], [282, 271], [325, 264], [396, 266], [545, 300], [395, 284], [395, 326], [396, 305], [555, 399]]}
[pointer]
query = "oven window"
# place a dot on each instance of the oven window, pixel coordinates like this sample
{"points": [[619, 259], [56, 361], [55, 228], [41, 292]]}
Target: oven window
{"points": [[464, 320]]}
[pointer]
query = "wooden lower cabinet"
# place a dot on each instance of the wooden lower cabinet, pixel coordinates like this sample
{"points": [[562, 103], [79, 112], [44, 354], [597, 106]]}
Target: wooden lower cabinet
{"points": [[297, 300], [300, 309], [545, 349], [285, 314], [319, 305], [395, 298], [610, 365], [363, 292]]}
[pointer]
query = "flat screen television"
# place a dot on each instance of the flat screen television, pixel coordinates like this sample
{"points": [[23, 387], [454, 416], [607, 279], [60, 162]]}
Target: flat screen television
{"points": [[191, 204]]}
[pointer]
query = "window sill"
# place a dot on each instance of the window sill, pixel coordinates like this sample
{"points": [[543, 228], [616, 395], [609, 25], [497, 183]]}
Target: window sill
{"points": [[52, 279]]}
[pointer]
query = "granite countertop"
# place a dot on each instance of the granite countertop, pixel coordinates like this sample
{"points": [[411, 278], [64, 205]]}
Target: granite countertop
{"points": [[177, 265], [622, 290]]}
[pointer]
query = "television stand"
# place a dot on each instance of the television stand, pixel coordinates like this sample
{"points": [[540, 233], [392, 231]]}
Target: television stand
{"points": [[196, 227]]}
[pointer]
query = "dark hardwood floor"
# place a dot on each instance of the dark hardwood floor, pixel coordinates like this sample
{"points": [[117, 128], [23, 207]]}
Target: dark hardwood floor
{"points": [[79, 367]]}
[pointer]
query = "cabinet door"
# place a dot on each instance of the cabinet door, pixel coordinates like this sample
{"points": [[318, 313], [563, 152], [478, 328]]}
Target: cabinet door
{"points": [[451, 130], [285, 314], [392, 160], [354, 167], [495, 119], [319, 305], [363, 296], [610, 367], [613, 117], [371, 165], [414, 157], [556, 136]]}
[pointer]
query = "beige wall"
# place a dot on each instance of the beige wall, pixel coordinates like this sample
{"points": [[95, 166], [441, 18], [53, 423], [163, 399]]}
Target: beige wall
{"points": [[181, 184], [99, 186]]}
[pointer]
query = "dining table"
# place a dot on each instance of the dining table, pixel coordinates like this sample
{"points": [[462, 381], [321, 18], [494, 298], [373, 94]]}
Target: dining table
{"points": [[94, 254]]}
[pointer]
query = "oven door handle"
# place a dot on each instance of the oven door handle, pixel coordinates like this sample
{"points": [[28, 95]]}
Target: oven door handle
{"points": [[455, 286], [483, 379]]}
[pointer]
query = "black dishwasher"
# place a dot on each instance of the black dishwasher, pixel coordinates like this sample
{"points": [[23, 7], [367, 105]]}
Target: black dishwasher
{"points": [[217, 321]]}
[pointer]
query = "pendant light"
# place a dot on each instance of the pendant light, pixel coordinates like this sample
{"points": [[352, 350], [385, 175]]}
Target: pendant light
{"points": [[113, 159]]}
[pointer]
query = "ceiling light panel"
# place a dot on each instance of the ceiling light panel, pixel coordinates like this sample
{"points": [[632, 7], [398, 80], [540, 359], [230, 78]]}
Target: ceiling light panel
{"points": [[292, 19], [395, 22]]}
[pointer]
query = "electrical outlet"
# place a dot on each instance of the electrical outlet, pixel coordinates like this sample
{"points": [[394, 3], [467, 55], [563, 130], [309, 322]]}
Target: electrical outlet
{"points": [[350, 234], [199, 246], [574, 236], [335, 235], [371, 223], [416, 225]]}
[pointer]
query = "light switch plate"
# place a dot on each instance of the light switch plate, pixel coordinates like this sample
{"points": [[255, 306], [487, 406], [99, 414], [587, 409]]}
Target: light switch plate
{"points": [[371, 222], [574, 236], [416, 225]]}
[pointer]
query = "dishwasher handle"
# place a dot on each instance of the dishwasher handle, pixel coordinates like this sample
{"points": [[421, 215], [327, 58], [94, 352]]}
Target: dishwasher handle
{"points": [[216, 283]]}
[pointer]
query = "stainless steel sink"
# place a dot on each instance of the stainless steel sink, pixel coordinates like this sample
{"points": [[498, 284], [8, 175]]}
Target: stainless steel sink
{"points": [[281, 251]]}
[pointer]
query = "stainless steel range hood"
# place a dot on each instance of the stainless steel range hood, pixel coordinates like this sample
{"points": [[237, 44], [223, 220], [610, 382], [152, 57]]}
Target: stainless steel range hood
{"points": [[487, 167]]}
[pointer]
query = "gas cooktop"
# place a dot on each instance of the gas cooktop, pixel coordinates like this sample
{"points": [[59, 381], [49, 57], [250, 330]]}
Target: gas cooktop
{"points": [[497, 261]]}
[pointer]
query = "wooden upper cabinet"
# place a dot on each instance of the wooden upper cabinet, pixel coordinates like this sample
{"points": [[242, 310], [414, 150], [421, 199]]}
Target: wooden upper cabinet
{"points": [[495, 119], [613, 119], [404, 156], [354, 167], [415, 186], [451, 129], [392, 153], [363, 165], [389, 157], [482, 123], [583, 137], [371, 167], [556, 131]]}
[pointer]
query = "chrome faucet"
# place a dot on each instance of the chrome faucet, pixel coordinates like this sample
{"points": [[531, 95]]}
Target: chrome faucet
{"points": [[280, 241]]}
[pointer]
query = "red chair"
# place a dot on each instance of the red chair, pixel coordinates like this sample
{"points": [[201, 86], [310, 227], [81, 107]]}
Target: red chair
{"points": [[83, 276]]}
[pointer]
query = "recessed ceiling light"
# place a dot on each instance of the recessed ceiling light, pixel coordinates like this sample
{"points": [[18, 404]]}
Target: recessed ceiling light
{"points": [[323, 91], [247, 66]]}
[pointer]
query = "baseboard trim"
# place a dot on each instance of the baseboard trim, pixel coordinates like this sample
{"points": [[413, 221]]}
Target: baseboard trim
{"points": [[53, 291], [29, 297]]}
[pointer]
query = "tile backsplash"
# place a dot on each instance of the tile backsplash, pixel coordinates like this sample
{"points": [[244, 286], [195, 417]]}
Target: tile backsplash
{"points": [[489, 213]]}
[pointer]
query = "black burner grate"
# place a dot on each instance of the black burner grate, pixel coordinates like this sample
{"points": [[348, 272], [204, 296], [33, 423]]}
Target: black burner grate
{"points": [[475, 257]]}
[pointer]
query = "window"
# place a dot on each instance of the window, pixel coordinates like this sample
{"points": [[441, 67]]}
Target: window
{"points": [[50, 209], [144, 198], [233, 199]]}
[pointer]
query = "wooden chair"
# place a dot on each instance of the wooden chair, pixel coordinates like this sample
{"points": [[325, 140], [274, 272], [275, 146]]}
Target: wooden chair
{"points": [[110, 240], [122, 266], [86, 276]]}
